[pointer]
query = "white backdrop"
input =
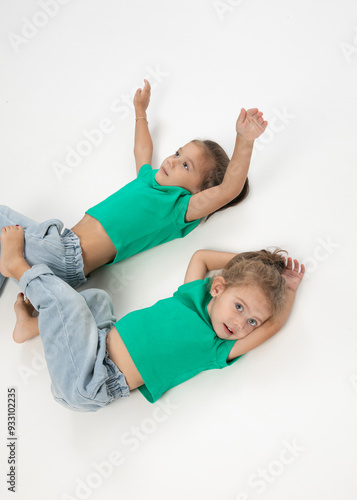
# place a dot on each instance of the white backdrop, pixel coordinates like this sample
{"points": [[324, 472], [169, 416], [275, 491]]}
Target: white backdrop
{"points": [[281, 423]]}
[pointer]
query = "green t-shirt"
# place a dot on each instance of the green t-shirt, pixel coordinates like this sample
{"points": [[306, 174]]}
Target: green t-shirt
{"points": [[143, 214], [173, 340]]}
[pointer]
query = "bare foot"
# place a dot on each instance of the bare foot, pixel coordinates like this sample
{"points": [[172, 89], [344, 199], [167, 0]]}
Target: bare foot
{"points": [[12, 261], [26, 325]]}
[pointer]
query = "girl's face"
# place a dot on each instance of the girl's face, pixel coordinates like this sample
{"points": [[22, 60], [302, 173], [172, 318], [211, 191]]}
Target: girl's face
{"points": [[185, 168], [236, 311]]}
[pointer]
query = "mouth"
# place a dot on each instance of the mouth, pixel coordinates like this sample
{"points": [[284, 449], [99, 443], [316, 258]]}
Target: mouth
{"points": [[164, 171], [228, 330]]}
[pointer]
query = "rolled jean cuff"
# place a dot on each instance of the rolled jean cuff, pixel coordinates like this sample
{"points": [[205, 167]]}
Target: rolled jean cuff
{"points": [[31, 274]]}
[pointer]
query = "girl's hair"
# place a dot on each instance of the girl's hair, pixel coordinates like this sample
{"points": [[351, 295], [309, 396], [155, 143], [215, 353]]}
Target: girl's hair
{"points": [[263, 269], [214, 176]]}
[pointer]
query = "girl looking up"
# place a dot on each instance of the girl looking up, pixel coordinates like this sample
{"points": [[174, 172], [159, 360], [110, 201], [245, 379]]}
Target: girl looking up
{"points": [[93, 359], [156, 207]]}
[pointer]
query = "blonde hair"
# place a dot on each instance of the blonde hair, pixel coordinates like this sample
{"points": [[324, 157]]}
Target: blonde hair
{"points": [[261, 268]]}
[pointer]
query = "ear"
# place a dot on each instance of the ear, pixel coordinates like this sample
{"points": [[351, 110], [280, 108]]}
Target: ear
{"points": [[218, 286]]}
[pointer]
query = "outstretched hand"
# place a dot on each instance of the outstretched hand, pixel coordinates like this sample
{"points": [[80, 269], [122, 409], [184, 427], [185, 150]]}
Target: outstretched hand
{"points": [[250, 124], [142, 97], [292, 275]]}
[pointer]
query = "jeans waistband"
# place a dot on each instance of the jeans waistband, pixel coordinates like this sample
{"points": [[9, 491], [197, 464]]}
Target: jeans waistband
{"points": [[73, 258], [116, 383]]}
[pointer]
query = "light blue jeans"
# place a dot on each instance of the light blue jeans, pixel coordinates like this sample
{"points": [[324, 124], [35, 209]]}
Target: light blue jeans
{"points": [[73, 328], [44, 244]]}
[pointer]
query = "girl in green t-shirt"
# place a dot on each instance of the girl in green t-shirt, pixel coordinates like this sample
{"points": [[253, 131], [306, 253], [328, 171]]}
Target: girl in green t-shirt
{"points": [[159, 205], [93, 359]]}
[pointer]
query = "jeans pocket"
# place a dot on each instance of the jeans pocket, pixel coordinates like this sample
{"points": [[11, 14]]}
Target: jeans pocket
{"points": [[45, 226]]}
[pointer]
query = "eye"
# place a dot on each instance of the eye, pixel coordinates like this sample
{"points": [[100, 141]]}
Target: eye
{"points": [[239, 307], [252, 322], [185, 165], [177, 154]]}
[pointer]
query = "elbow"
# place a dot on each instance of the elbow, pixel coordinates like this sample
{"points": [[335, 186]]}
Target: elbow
{"points": [[198, 255]]}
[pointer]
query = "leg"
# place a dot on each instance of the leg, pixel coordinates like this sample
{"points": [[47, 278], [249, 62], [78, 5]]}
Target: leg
{"points": [[26, 326], [83, 378], [12, 264], [45, 245]]}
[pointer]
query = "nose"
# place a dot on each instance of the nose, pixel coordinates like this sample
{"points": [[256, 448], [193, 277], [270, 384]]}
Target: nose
{"points": [[239, 323]]}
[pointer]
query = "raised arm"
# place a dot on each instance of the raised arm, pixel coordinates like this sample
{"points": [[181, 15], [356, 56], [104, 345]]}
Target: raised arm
{"points": [[204, 261], [293, 278], [250, 125], [143, 147]]}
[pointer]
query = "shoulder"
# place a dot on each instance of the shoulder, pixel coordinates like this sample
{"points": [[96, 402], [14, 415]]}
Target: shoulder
{"points": [[192, 284], [188, 286], [194, 294], [206, 202], [145, 169]]}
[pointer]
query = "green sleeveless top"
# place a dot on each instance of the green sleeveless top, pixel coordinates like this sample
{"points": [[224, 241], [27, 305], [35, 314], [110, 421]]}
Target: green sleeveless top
{"points": [[173, 340], [143, 214]]}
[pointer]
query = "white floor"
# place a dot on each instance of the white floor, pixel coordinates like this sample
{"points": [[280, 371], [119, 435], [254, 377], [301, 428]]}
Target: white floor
{"points": [[281, 423]]}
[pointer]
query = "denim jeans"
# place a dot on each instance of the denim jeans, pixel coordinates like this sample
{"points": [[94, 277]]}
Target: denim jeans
{"points": [[44, 244], [73, 328]]}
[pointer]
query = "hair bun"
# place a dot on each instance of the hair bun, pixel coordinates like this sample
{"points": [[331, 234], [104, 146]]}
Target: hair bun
{"points": [[274, 258]]}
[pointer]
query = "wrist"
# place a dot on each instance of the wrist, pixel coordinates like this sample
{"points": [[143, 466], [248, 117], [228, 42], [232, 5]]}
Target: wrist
{"points": [[141, 118], [140, 111], [290, 295], [243, 140]]}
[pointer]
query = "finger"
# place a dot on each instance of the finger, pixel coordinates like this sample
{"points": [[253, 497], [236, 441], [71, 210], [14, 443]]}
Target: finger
{"points": [[253, 111], [296, 265], [147, 86], [242, 115], [289, 264], [302, 272]]}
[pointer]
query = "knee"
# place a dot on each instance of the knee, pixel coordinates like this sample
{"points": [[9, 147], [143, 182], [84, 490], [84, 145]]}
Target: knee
{"points": [[78, 404], [4, 210], [94, 293], [97, 300], [7, 216]]}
